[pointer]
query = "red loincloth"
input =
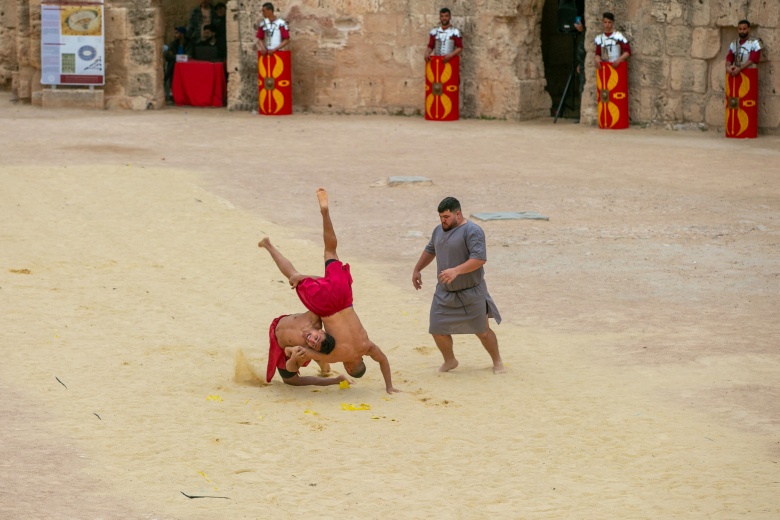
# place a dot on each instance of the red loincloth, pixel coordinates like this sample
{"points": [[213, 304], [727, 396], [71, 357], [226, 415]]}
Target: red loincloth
{"points": [[329, 295]]}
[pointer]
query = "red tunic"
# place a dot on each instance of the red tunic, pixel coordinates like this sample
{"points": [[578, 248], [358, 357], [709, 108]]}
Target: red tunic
{"points": [[328, 295]]}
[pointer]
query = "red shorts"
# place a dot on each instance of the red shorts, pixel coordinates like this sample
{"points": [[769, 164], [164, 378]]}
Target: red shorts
{"points": [[276, 357], [329, 295]]}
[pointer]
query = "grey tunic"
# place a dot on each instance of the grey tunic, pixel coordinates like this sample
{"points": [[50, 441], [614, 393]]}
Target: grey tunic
{"points": [[462, 306]]}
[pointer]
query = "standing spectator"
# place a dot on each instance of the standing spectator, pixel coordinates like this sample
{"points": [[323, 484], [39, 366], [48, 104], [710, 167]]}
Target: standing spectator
{"points": [[201, 17], [273, 34], [745, 52], [611, 46], [461, 303], [444, 40], [179, 45], [220, 22]]}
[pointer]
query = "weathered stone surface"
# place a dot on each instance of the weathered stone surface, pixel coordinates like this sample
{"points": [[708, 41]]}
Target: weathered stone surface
{"points": [[699, 13], [650, 72], [705, 43], [693, 107], [729, 12], [678, 40], [72, 98], [688, 75], [652, 41], [715, 111], [765, 13], [115, 24], [769, 111]]}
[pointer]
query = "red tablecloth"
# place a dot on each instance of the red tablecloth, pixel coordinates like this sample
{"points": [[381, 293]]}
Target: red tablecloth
{"points": [[199, 83]]}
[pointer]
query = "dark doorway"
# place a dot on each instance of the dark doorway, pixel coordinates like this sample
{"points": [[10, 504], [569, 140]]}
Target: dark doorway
{"points": [[558, 55]]}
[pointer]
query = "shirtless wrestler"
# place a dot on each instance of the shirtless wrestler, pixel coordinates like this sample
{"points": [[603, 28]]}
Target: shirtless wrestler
{"points": [[330, 297], [286, 337]]}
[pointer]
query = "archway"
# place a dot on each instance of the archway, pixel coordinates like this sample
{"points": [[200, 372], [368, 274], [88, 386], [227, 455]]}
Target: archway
{"points": [[558, 55], [177, 13]]}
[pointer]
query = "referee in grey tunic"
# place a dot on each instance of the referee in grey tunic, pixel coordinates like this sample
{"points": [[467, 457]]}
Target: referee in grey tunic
{"points": [[461, 303]]}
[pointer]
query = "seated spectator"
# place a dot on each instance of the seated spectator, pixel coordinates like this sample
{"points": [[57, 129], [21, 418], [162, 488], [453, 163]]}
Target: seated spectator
{"points": [[202, 51], [178, 45]]}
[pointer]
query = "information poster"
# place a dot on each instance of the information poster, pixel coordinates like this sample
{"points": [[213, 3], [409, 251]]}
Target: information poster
{"points": [[72, 43]]}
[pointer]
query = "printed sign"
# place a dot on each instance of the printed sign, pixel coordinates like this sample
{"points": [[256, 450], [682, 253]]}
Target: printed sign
{"points": [[72, 43]]}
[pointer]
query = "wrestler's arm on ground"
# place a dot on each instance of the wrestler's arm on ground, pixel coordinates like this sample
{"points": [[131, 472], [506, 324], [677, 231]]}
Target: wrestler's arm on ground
{"points": [[384, 365], [315, 381], [425, 259]]}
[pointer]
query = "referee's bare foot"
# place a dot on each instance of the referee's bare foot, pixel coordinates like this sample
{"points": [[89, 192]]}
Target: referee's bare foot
{"points": [[264, 243], [499, 368], [449, 365], [322, 197]]}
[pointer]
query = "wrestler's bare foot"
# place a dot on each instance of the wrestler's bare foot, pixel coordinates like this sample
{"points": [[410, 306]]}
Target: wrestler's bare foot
{"points": [[499, 368], [322, 197], [449, 365], [264, 243]]}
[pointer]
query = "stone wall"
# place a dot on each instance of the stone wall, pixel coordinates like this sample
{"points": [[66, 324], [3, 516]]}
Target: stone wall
{"points": [[133, 45], [366, 56], [676, 73]]}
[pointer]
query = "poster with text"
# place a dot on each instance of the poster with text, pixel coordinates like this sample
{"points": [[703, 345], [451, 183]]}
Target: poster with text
{"points": [[72, 43]]}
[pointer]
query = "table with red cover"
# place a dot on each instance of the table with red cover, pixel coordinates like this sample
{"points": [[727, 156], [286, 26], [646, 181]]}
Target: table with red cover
{"points": [[199, 83]]}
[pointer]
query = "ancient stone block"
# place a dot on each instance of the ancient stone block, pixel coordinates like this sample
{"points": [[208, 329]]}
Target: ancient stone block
{"points": [[650, 72], [715, 111], [693, 107], [652, 43], [72, 98], [698, 13], [769, 111], [729, 12], [718, 77], [142, 51], [688, 75], [139, 84], [400, 92], [765, 13], [678, 40], [705, 43], [115, 24], [666, 11], [143, 22]]}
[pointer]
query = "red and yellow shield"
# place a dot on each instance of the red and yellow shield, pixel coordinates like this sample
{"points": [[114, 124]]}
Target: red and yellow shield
{"points": [[742, 104], [612, 85], [274, 79], [442, 89]]}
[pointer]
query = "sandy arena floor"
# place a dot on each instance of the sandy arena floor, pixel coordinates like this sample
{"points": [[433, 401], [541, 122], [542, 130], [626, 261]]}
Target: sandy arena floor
{"points": [[640, 322]]}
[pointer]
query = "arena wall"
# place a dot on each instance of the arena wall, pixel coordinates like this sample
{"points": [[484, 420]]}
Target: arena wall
{"points": [[366, 56]]}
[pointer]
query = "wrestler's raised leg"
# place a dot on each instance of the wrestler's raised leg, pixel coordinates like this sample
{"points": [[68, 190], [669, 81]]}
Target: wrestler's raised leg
{"points": [[328, 234], [444, 342], [284, 265]]}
